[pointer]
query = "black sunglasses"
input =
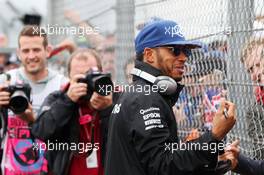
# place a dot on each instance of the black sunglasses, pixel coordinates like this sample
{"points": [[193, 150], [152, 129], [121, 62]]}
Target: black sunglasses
{"points": [[177, 50]]}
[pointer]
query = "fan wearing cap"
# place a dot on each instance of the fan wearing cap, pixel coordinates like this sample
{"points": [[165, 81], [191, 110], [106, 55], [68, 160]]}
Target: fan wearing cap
{"points": [[142, 136]]}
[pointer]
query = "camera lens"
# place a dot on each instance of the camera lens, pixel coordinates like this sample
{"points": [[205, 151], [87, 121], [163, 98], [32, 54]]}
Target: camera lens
{"points": [[103, 85], [18, 102]]}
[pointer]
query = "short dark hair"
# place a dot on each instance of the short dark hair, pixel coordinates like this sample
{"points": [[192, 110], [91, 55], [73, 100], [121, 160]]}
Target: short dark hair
{"points": [[81, 53], [34, 30]]}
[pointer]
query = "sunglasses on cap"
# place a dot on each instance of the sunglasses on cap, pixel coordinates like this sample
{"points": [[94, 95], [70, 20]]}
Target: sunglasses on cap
{"points": [[176, 50]]}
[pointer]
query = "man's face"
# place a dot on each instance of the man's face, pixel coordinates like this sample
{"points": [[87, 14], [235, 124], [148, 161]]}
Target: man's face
{"points": [[255, 65], [80, 65], [33, 54], [170, 64]]}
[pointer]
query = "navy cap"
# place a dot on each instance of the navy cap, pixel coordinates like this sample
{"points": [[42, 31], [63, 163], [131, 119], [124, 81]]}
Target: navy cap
{"points": [[161, 33]]}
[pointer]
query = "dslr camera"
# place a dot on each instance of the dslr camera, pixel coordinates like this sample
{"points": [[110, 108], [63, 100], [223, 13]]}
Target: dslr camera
{"points": [[97, 82], [19, 97]]}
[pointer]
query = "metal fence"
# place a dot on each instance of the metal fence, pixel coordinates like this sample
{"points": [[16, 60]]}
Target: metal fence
{"points": [[229, 31]]}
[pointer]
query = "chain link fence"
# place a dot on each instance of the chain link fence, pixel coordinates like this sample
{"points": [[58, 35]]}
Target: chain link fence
{"points": [[230, 31], [230, 63]]}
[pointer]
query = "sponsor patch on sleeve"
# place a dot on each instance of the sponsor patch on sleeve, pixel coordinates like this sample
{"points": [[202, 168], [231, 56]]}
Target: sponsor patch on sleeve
{"points": [[151, 117]]}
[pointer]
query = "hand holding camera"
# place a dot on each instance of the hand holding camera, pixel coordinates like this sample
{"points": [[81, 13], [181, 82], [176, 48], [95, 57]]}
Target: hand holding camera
{"points": [[4, 96], [15, 97], [28, 114], [83, 86], [99, 102], [94, 86], [76, 89]]}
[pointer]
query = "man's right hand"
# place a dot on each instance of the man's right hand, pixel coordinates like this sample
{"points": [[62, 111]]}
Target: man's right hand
{"points": [[231, 153], [28, 115], [77, 90], [221, 124], [4, 96]]}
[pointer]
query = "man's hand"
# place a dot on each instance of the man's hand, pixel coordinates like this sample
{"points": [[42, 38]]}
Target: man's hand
{"points": [[99, 102], [231, 153], [4, 96], [223, 124], [77, 90], [28, 115]]}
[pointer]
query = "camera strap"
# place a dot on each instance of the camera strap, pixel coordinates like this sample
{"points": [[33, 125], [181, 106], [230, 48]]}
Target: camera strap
{"points": [[88, 136]]}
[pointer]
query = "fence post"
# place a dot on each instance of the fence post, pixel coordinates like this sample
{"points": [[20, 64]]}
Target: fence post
{"points": [[240, 19], [125, 12]]}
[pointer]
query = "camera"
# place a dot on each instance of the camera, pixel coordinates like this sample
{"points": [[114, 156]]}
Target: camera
{"points": [[97, 82], [19, 97]]}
